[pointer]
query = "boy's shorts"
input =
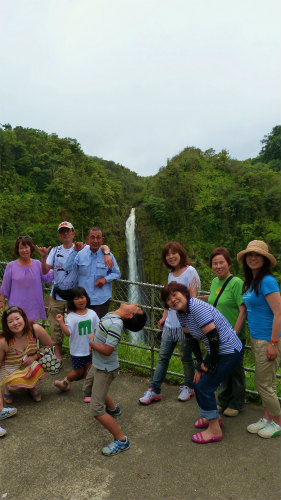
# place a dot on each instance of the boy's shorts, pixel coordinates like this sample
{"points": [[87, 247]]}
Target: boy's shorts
{"points": [[80, 361], [100, 381]]}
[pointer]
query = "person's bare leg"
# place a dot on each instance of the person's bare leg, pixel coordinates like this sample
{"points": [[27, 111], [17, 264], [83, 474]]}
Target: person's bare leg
{"points": [[58, 349], [267, 415], [109, 403], [75, 374], [110, 424]]}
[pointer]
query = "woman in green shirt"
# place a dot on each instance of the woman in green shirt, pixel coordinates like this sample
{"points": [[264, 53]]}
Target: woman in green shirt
{"points": [[229, 302]]}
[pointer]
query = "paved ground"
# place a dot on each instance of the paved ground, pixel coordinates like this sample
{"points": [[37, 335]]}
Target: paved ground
{"points": [[53, 451]]}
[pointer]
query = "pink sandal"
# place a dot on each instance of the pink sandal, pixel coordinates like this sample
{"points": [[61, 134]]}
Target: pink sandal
{"points": [[198, 438], [61, 386], [202, 423]]}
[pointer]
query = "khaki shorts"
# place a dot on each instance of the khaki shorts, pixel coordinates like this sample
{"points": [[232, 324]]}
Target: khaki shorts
{"points": [[97, 384], [56, 307]]}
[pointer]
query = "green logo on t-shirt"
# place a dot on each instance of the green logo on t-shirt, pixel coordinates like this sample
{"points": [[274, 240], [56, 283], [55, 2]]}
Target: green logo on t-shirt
{"points": [[84, 327]]}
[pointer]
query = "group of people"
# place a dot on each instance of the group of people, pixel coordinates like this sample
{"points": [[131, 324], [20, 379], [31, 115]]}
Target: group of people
{"points": [[82, 276], [218, 321]]}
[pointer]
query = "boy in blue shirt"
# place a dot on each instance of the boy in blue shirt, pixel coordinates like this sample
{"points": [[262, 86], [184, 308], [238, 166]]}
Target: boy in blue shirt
{"points": [[104, 345]]}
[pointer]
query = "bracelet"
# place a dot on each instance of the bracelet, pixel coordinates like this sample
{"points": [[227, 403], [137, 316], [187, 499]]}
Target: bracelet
{"points": [[274, 341], [273, 344]]}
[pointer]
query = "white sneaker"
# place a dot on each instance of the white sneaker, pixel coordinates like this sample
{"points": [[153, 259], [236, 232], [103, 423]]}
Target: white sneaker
{"points": [[185, 393], [2, 432], [270, 430], [149, 396], [7, 412], [257, 426]]}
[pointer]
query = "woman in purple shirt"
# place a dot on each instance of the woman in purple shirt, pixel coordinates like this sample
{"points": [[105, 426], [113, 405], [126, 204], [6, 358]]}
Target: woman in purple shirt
{"points": [[22, 281]]}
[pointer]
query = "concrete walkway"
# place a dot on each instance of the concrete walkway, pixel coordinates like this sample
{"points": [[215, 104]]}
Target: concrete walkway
{"points": [[53, 450]]}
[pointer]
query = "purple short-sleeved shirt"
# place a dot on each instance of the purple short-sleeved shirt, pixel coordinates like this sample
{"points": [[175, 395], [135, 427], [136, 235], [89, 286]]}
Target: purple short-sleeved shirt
{"points": [[22, 286]]}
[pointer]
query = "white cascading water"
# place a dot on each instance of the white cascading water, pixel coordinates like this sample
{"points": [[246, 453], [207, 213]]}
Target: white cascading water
{"points": [[131, 250], [133, 292]]}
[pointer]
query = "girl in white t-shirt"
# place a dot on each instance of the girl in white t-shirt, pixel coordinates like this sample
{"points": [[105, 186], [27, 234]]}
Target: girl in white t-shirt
{"points": [[80, 323], [176, 260]]}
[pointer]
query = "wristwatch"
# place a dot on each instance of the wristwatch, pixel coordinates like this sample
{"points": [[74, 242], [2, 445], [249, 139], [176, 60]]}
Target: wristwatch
{"points": [[106, 253]]}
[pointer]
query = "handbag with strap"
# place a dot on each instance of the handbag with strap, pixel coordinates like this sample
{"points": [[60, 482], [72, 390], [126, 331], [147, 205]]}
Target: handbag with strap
{"points": [[49, 362], [222, 289]]}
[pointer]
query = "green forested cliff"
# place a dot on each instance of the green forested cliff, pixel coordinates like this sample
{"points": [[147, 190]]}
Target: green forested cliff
{"points": [[202, 199]]}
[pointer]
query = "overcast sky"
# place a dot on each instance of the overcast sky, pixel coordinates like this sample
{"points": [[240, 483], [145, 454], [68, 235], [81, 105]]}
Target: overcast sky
{"points": [[137, 81]]}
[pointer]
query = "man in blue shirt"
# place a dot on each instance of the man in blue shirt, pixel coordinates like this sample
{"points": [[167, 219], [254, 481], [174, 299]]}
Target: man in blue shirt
{"points": [[95, 272]]}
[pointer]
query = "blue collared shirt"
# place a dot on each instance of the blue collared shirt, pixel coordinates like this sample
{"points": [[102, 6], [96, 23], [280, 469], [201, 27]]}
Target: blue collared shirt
{"points": [[90, 268]]}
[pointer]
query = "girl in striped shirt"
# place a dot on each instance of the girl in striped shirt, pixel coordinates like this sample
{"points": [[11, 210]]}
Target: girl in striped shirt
{"points": [[202, 322]]}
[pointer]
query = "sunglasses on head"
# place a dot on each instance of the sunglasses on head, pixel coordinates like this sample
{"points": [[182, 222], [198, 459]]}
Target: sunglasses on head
{"points": [[11, 310]]}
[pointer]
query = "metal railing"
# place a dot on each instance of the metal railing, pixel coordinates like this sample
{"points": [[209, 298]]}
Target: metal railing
{"points": [[147, 296], [149, 299]]}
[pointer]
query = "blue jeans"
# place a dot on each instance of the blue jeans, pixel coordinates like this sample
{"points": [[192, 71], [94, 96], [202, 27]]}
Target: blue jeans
{"points": [[166, 350], [232, 389], [209, 382]]}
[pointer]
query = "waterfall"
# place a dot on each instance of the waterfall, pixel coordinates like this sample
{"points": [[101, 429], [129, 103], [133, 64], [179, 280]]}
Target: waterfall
{"points": [[131, 252], [133, 292]]}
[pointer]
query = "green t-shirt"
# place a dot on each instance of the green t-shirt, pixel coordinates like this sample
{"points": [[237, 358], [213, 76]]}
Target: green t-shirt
{"points": [[229, 301]]}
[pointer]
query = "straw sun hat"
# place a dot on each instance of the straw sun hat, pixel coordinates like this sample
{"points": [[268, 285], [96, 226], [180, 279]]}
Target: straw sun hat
{"points": [[257, 246]]}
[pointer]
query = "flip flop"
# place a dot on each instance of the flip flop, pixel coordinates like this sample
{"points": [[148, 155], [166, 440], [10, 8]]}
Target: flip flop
{"points": [[202, 423], [36, 396], [198, 438], [8, 398]]}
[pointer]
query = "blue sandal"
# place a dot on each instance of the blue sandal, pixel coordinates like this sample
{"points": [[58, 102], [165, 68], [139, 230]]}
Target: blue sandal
{"points": [[8, 398], [36, 396]]}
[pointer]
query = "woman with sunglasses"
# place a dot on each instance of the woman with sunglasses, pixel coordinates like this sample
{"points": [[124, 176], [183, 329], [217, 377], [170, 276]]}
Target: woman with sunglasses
{"points": [[19, 353], [22, 281]]}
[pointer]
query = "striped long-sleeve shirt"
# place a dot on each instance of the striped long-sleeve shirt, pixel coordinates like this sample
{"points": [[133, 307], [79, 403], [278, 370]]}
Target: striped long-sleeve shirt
{"points": [[202, 314], [108, 333]]}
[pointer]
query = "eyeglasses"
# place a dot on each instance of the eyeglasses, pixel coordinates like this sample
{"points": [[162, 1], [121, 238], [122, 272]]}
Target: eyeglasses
{"points": [[23, 238]]}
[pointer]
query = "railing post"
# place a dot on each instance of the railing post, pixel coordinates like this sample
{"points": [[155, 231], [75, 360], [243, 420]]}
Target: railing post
{"points": [[152, 325]]}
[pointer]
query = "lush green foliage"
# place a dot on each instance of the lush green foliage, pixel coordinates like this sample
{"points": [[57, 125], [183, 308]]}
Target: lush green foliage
{"points": [[270, 152], [45, 179], [202, 199]]}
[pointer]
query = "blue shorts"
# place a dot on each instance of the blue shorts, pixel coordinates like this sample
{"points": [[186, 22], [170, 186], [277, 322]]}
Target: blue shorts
{"points": [[80, 361]]}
